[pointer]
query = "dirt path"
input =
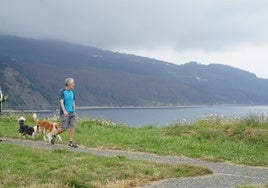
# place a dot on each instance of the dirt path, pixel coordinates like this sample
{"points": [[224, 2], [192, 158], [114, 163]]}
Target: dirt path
{"points": [[224, 174]]}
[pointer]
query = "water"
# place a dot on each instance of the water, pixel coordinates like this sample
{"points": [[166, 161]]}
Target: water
{"points": [[138, 117]]}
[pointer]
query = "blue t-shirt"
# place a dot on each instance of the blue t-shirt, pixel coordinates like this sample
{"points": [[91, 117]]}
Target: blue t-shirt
{"points": [[68, 97]]}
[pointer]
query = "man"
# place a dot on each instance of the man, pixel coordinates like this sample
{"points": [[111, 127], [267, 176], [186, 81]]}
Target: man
{"points": [[2, 98], [67, 111]]}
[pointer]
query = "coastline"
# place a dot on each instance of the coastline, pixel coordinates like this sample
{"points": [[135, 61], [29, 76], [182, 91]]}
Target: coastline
{"points": [[134, 107]]}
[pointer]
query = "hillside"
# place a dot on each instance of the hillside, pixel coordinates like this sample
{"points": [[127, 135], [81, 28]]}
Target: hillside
{"points": [[33, 71]]}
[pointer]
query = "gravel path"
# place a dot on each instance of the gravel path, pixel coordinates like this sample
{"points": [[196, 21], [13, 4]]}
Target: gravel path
{"points": [[224, 174]]}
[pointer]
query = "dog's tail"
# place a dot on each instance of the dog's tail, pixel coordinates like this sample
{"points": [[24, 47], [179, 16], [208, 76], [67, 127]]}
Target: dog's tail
{"points": [[35, 119]]}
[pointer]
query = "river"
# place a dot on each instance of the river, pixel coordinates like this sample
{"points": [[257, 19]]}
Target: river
{"points": [[138, 117]]}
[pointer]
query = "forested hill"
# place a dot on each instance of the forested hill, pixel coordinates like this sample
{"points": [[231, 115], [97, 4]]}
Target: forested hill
{"points": [[32, 72]]}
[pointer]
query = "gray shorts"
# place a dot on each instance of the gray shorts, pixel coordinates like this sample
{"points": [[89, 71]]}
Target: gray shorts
{"points": [[68, 121]]}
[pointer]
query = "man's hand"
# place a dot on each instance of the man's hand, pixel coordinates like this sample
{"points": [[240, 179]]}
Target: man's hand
{"points": [[66, 113], [5, 97]]}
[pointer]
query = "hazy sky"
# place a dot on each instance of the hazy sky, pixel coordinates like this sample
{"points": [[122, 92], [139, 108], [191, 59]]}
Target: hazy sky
{"points": [[231, 32]]}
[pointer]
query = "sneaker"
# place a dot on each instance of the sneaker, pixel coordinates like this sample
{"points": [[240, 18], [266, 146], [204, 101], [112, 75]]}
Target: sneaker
{"points": [[71, 145], [53, 138]]}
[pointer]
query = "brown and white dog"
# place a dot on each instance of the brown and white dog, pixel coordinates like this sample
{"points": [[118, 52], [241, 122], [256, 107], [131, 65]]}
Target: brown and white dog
{"points": [[47, 128]]}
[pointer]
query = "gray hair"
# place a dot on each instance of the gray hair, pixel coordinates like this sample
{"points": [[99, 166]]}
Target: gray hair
{"points": [[68, 81]]}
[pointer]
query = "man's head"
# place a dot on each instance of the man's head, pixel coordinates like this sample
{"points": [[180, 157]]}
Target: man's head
{"points": [[69, 83]]}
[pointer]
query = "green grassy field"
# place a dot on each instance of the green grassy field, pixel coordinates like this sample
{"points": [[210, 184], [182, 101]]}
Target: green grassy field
{"points": [[28, 167], [242, 141], [253, 186]]}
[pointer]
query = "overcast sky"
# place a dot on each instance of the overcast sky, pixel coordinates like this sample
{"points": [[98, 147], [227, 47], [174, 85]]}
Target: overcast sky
{"points": [[230, 32]]}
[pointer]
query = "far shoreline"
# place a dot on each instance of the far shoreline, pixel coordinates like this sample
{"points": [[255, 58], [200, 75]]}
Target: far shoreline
{"points": [[131, 107]]}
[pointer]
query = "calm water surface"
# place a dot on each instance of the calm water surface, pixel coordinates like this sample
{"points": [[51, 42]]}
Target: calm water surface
{"points": [[138, 117]]}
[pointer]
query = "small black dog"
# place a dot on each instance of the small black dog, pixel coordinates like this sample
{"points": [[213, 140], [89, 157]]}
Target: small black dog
{"points": [[25, 129]]}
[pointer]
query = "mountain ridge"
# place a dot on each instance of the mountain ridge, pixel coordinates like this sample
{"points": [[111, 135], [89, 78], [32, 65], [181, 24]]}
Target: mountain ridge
{"points": [[105, 78]]}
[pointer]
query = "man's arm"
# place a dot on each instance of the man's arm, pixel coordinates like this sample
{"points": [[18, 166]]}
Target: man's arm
{"points": [[4, 98], [63, 107]]}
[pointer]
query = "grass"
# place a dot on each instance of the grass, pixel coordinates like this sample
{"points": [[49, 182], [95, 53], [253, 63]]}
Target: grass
{"points": [[241, 141], [254, 186], [27, 167]]}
